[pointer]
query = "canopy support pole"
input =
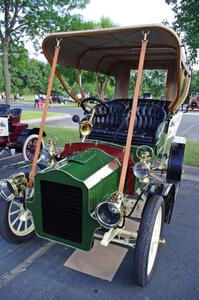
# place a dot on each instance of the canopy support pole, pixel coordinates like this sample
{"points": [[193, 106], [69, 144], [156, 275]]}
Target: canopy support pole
{"points": [[181, 99], [66, 88], [101, 89], [133, 114], [79, 81], [50, 83]]}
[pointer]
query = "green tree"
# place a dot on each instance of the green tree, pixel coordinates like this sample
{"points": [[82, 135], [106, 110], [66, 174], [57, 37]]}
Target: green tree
{"points": [[32, 18], [186, 24], [194, 88], [28, 75], [106, 22]]}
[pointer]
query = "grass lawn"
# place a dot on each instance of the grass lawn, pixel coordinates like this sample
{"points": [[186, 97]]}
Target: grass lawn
{"points": [[62, 134], [191, 157], [192, 153], [28, 115]]}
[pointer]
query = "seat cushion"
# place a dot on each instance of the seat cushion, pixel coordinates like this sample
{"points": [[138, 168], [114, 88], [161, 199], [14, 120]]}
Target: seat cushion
{"points": [[112, 120], [149, 116], [15, 112], [114, 127]]}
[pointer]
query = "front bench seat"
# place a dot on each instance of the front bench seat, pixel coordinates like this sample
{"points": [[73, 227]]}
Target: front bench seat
{"points": [[148, 125], [105, 127]]}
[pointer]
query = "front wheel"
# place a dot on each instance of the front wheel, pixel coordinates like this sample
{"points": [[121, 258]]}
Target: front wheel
{"points": [[29, 147], [148, 239], [16, 222]]}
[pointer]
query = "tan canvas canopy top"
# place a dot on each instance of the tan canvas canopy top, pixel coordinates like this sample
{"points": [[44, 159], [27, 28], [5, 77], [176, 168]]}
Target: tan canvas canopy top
{"points": [[102, 49], [114, 51]]}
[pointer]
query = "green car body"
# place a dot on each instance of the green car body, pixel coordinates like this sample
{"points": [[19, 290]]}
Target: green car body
{"points": [[85, 179]]}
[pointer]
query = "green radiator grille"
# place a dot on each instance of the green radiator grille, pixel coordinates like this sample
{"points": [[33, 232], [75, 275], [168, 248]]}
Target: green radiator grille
{"points": [[62, 210]]}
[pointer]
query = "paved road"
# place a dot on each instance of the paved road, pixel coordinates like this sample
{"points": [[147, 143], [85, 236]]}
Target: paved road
{"points": [[189, 126], [35, 270], [66, 122], [61, 109]]}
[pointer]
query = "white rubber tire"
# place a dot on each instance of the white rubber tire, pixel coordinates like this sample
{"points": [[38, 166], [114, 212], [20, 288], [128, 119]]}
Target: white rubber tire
{"points": [[25, 145], [148, 239]]}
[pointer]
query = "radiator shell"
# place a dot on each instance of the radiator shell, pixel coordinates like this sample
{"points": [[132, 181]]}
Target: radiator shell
{"points": [[95, 175]]}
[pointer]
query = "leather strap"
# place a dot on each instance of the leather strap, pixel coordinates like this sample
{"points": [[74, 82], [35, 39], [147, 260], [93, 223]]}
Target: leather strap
{"points": [[38, 147], [132, 117]]}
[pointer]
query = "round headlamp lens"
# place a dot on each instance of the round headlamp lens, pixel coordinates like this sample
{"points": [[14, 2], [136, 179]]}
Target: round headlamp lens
{"points": [[141, 170], [108, 214], [6, 190]]}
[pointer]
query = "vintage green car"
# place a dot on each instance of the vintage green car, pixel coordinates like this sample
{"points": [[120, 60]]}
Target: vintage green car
{"points": [[94, 186]]}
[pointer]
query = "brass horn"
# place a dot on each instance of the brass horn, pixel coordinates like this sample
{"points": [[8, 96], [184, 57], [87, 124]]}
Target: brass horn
{"points": [[85, 127]]}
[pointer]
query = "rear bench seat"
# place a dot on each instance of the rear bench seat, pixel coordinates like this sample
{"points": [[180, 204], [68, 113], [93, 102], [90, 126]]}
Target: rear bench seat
{"points": [[150, 117]]}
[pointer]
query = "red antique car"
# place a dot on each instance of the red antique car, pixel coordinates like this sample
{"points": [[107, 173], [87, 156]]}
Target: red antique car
{"points": [[15, 134], [194, 102]]}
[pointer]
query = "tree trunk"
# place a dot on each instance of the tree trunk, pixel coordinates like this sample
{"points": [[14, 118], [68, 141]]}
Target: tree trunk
{"points": [[6, 73]]}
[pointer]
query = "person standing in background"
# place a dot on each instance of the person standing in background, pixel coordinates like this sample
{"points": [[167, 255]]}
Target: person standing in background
{"points": [[36, 101]]}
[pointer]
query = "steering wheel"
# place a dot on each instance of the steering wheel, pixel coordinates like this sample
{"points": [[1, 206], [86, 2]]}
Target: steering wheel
{"points": [[101, 108]]}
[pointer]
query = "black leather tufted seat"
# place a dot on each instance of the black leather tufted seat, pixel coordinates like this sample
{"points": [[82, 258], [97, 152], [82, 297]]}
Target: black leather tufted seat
{"points": [[149, 122], [105, 127], [148, 125]]}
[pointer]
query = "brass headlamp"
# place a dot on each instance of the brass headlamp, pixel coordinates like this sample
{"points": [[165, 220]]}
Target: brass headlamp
{"points": [[48, 155], [109, 213], [142, 168], [13, 186]]}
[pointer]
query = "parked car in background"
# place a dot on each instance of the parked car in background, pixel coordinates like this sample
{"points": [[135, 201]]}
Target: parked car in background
{"points": [[15, 134], [194, 101]]}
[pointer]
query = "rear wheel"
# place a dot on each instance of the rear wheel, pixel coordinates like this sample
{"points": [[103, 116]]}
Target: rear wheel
{"points": [[16, 222], [29, 147], [148, 239]]}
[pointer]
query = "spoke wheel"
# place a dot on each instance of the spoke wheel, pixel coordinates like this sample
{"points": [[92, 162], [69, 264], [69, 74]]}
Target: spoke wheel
{"points": [[29, 147], [148, 239], [16, 222]]}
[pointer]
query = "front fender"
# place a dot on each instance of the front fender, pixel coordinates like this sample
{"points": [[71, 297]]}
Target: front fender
{"points": [[24, 134], [176, 158]]}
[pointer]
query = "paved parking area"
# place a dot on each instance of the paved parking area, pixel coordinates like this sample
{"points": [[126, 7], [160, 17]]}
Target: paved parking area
{"points": [[36, 270], [189, 126]]}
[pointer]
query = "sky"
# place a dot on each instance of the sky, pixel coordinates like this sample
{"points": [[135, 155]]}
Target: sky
{"points": [[123, 13], [128, 12]]}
